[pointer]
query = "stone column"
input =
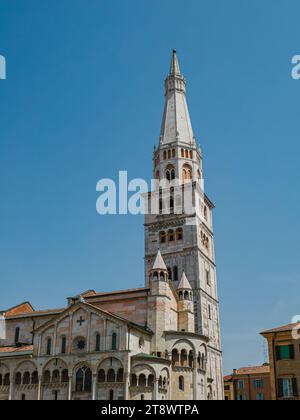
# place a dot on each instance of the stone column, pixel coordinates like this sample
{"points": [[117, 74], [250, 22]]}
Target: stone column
{"points": [[39, 397], [70, 388], [155, 390], [94, 397], [11, 387]]}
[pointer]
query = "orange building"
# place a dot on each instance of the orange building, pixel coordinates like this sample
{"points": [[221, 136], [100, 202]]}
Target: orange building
{"points": [[248, 384], [284, 356]]}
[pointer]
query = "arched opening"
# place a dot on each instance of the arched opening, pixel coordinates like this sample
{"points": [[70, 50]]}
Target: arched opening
{"points": [[120, 375], [56, 377], [65, 376], [182, 153], [179, 234], [175, 357], [162, 237], [111, 376], [133, 380], [186, 296], [84, 380], [49, 347], [6, 381], [111, 395], [186, 174], [175, 273], [173, 153], [151, 381], [183, 358], [171, 236], [181, 383], [55, 395], [101, 376], [169, 273], [142, 397], [18, 378], [98, 339], [191, 359], [23, 397], [46, 377], [142, 380], [26, 378], [17, 335], [114, 341], [63, 345], [34, 378]]}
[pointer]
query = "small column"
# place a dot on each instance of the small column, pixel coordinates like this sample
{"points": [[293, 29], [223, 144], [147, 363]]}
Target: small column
{"points": [[70, 388], [155, 390], [39, 397], [11, 387], [94, 397]]}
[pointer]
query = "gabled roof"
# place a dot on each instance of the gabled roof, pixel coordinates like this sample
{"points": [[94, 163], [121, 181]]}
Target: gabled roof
{"points": [[159, 263], [21, 308], [15, 351], [184, 283], [253, 370], [99, 310]]}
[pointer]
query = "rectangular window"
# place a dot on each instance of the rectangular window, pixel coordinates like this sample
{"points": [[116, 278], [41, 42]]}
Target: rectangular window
{"points": [[285, 352], [258, 384], [208, 277], [241, 385], [260, 397]]}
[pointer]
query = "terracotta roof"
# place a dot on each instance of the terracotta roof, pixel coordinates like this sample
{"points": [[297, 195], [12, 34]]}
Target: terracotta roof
{"points": [[253, 370], [36, 313], [285, 328], [117, 292], [15, 349], [227, 378]]}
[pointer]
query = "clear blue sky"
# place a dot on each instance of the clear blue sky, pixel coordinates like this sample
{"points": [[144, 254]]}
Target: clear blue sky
{"points": [[84, 99]]}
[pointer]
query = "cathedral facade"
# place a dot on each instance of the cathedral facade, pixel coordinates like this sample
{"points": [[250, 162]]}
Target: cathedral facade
{"points": [[160, 342]]}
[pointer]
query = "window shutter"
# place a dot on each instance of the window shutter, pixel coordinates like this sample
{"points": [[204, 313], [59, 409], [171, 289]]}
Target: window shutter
{"points": [[295, 387], [278, 357], [280, 388], [292, 352]]}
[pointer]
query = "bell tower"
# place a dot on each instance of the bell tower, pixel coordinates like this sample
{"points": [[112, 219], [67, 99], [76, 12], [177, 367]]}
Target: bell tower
{"points": [[185, 239]]}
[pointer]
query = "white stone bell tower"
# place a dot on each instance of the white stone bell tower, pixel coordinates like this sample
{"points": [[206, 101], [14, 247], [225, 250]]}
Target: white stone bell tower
{"points": [[186, 240]]}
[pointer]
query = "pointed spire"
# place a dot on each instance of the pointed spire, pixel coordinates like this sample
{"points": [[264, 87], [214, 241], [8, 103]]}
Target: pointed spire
{"points": [[159, 263], [176, 124], [184, 283], [174, 68]]}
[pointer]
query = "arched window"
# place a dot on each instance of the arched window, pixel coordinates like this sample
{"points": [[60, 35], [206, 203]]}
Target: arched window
{"points": [[187, 154], [175, 273], [173, 153], [34, 378], [111, 376], [18, 378], [46, 377], [142, 380], [186, 296], [182, 153], [133, 380], [191, 359], [101, 376], [151, 381], [186, 174], [191, 154], [165, 155], [17, 335], [55, 395], [6, 381], [84, 380], [114, 341], [49, 347], [168, 175], [120, 375], [142, 397], [23, 397], [98, 339], [56, 377], [172, 174], [183, 357], [181, 383], [63, 345], [171, 236], [65, 376], [26, 378], [111, 395], [162, 237], [179, 234], [175, 357], [169, 154], [170, 273]]}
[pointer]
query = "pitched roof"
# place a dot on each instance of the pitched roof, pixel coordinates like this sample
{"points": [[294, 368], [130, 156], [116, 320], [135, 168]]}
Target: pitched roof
{"points": [[285, 328], [253, 370], [15, 349], [184, 283], [35, 313], [159, 263]]}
